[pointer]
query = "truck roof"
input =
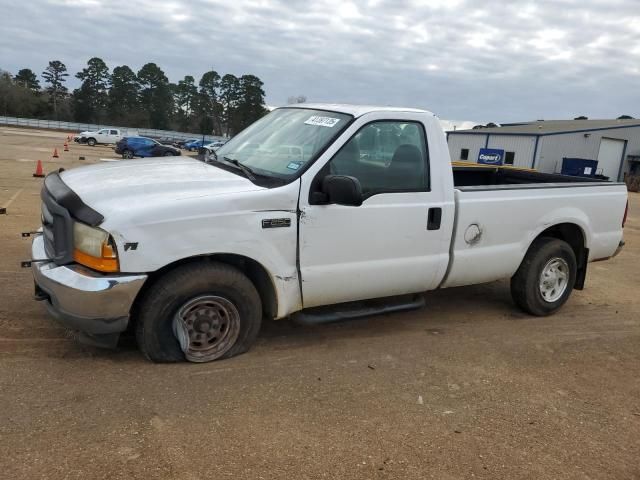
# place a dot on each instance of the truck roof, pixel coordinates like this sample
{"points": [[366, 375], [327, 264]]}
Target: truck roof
{"points": [[355, 110]]}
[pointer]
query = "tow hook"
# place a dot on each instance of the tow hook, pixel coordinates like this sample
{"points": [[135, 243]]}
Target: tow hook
{"points": [[27, 263]]}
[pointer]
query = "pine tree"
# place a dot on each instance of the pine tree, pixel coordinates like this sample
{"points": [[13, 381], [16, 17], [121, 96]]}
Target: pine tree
{"points": [[251, 101], [229, 97], [124, 96], [26, 78], [210, 111], [55, 75], [156, 97], [90, 100]]}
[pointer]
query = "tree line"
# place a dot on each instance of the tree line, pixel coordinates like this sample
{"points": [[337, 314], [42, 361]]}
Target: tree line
{"points": [[216, 104]]}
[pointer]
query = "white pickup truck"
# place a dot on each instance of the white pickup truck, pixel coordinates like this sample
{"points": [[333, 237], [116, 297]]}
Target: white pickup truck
{"points": [[106, 136], [360, 214]]}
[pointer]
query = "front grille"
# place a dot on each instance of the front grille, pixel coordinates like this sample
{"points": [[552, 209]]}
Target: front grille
{"points": [[61, 206], [57, 229]]}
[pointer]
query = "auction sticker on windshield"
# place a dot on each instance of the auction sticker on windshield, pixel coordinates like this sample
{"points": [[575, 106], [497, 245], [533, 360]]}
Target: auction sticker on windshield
{"points": [[322, 121]]}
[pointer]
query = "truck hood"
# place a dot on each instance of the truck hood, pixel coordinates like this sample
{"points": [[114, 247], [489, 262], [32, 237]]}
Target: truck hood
{"points": [[123, 186]]}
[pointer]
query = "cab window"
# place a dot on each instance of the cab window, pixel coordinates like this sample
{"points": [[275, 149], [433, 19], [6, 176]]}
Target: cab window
{"points": [[385, 156]]}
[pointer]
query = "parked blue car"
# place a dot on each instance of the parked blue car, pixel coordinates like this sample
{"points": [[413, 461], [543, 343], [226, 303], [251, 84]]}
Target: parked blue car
{"points": [[196, 144], [130, 147]]}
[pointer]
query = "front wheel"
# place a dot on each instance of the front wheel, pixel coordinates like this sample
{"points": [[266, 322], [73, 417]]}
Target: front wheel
{"points": [[199, 312], [127, 154], [91, 142], [167, 154], [546, 277]]}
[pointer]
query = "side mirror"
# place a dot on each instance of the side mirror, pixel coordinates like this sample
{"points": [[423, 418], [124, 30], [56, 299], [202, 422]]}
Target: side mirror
{"points": [[342, 190]]}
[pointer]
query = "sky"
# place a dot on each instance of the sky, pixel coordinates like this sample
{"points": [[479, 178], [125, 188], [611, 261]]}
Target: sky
{"points": [[464, 60]]}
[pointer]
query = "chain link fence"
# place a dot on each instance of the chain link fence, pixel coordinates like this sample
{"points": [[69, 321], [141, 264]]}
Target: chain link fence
{"points": [[72, 127]]}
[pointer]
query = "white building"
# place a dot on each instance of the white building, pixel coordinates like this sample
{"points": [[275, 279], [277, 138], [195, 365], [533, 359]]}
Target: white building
{"points": [[543, 144]]}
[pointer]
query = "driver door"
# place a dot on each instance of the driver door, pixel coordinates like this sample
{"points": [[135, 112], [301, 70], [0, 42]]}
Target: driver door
{"points": [[146, 148], [387, 246], [102, 135]]}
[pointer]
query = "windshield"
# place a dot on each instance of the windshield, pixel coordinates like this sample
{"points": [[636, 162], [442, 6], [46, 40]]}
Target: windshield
{"points": [[282, 142]]}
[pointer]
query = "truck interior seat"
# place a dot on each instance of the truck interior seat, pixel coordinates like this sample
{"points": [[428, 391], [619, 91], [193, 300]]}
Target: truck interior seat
{"points": [[406, 167]]}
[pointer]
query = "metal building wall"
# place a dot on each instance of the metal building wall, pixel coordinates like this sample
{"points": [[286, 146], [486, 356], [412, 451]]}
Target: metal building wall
{"points": [[459, 141], [522, 146], [553, 148]]}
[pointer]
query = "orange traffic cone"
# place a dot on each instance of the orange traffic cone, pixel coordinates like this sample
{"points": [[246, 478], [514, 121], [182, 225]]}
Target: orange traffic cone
{"points": [[66, 147], [55, 153], [68, 138], [39, 173]]}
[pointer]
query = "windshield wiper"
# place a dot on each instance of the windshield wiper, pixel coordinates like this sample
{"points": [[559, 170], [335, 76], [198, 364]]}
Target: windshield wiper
{"points": [[247, 170]]}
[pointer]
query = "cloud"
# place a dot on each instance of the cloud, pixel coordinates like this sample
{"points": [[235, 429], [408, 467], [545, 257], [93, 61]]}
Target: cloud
{"points": [[484, 61]]}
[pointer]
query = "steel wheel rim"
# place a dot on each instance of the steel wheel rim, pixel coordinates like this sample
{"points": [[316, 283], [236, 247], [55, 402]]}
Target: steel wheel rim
{"points": [[554, 279], [206, 327]]}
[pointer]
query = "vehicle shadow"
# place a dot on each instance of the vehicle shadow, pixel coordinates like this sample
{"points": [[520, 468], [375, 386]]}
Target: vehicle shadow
{"points": [[444, 309]]}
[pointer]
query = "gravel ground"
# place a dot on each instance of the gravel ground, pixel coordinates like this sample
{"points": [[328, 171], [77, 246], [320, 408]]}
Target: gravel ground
{"points": [[467, 387]]}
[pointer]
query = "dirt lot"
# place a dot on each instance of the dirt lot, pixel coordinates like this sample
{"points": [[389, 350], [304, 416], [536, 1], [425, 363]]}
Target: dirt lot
{"points": [[468, 387]]}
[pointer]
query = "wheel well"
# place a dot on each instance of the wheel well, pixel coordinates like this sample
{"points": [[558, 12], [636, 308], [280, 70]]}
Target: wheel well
{"points": [[574, 236], [252, 269]]}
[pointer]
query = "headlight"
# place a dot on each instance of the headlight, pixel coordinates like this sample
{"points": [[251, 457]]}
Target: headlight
{"points": [[94, 248]]}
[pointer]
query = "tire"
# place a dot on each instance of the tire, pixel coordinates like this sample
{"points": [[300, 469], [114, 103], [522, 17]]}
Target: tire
{"points": [[127, 154], [91, 142], [538, 295], [168, 154], [192, 288]]}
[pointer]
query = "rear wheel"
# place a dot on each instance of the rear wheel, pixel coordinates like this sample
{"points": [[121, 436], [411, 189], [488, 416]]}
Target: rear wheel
{"points": [[546, 277], [127, 154], [91, 142], [199, 312]]}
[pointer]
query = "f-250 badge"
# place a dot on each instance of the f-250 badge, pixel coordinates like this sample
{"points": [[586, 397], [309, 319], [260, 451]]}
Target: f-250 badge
{"points": [[276, 222]]}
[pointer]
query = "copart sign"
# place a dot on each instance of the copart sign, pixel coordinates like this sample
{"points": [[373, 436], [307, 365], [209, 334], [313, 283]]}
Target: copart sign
{"points": [[490, 156]]}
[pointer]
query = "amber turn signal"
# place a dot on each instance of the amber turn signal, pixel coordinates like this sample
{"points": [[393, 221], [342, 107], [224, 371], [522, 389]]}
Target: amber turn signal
{"points": [[101, 264]]}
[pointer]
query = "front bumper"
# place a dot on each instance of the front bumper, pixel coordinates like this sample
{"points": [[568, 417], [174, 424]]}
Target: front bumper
{"points": [[95, 305]]}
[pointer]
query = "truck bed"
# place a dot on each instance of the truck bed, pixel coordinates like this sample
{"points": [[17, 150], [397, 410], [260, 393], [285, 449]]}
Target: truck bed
{"points": [[500, 211], [480, 175]]}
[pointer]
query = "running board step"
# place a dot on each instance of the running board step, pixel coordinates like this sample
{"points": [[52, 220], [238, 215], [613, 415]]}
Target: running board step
{"points": [[354, 310]]}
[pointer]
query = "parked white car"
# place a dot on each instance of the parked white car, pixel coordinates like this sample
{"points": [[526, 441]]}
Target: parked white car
{"points": [[210, 148], [366, 206], [106, 136]]}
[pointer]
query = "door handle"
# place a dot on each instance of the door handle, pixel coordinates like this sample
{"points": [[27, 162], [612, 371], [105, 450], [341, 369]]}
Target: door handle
{"points": [[434, 218]]}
